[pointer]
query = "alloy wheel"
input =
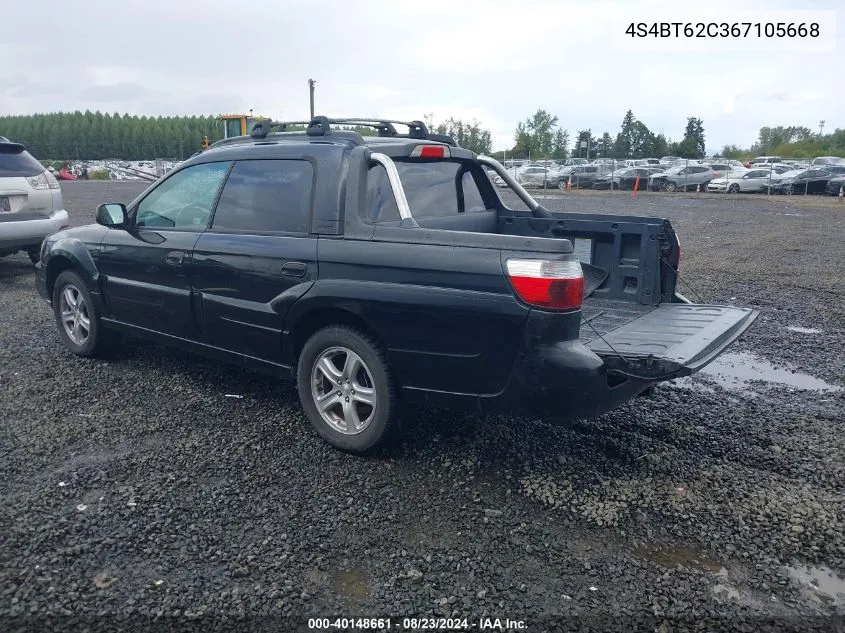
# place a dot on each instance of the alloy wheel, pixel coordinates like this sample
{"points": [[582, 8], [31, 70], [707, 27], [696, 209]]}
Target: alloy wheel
{"points": [[75, 316], [343, 390]]}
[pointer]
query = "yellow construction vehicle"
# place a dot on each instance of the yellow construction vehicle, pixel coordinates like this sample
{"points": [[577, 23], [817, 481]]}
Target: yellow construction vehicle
{"points": [[234, 125], [238, 124]]}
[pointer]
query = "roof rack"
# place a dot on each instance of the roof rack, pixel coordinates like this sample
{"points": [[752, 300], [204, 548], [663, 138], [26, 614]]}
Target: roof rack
{"points": [[321, 126]]}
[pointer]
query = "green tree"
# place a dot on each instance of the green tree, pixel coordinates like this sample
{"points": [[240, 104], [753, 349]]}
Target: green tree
{"points": [[624, 140], [606, 147], [560, 144], [692, 145]]}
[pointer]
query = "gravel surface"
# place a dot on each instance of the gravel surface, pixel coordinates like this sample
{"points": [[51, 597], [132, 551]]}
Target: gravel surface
{"points": [[138, 493]]}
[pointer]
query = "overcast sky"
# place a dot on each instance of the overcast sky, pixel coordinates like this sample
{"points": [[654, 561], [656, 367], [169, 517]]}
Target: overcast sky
{"points": [[496, 61]]}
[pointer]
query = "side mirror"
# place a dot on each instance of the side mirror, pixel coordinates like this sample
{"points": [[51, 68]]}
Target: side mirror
{"points": [[112, 215]]}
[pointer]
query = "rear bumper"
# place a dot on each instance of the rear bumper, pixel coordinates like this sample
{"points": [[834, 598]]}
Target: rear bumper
{"points": [[554, 379], [16, 233]]}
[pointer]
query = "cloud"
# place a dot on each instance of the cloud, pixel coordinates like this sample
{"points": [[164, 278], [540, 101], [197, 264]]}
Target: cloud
{"points": [[495, 61]]}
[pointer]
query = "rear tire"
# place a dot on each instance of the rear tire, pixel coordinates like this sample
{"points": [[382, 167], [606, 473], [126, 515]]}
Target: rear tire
{"points": [[346, 389], [78, 320]]}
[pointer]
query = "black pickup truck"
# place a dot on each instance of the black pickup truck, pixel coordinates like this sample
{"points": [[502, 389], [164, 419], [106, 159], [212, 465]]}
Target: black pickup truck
{"points": [[381, 269]]}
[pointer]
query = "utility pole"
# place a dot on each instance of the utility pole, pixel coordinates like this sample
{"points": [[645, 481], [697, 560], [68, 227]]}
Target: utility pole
{"points": [[181, 151], [311, 83], [821, 127]]}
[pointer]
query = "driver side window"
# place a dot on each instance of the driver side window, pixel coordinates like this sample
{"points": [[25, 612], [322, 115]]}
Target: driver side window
{"points": [[183, 201]]}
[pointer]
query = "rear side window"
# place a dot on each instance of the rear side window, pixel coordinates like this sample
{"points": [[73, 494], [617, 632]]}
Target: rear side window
{"points": [[17, 162], [266, 196], [436, 188]]}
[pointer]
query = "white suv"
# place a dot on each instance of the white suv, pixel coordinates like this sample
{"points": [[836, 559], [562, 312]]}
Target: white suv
{"points": [[31, 205]]}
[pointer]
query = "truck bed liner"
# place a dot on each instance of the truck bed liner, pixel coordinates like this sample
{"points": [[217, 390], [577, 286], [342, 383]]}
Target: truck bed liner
{"points": [[605, 315]]}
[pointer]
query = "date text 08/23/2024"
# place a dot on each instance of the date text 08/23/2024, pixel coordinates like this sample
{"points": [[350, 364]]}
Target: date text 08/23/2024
{"points": [[417, 624]]}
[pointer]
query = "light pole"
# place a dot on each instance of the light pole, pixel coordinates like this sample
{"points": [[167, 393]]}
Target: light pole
{"points": [[311, 83]]}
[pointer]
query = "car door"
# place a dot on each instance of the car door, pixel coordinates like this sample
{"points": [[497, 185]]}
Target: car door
{"points": [[755, 180], [818, 181], [257, 257], [145, 270]]}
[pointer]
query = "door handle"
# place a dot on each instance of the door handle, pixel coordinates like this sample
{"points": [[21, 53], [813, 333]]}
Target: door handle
{"points": [[175, 258], [295, 269]]}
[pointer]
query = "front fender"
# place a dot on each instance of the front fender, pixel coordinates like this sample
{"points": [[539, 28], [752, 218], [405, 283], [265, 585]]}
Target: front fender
{"points": [[70, 253]]}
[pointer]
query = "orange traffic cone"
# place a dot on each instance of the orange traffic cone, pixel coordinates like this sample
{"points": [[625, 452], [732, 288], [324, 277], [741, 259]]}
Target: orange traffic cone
{"points": [[636, 187], [569, 184]]}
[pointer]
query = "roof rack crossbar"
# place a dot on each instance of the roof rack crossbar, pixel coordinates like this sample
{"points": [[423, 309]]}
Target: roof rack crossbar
{"points": [[321, 125]]}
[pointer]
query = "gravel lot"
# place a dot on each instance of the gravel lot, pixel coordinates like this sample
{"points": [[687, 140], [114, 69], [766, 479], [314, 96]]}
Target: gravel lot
{"points": [[138, 489]]}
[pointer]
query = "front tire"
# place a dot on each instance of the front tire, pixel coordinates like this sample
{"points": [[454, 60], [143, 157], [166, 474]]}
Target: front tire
{"points": [[670, 186], [78, 320], [734, 188], [346, 388]]}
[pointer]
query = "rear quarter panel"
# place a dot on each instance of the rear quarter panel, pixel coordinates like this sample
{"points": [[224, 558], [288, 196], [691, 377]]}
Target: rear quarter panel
{"points": [[446, 315]]}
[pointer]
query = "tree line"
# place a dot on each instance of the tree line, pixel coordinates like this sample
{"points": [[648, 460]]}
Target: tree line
{"points": [[95, 135], [790, 142], [541, 136]]}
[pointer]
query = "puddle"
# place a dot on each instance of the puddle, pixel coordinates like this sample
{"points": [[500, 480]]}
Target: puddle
{"points": [[674, 556], [821, 582], [803, 330], [351, 583], [735, 371]]}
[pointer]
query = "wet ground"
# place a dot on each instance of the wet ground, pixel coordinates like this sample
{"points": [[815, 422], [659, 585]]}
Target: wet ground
{"points": [[139, 488]]}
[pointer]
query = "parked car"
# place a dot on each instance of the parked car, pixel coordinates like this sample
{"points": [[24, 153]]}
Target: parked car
{"points": [[426, 289], [537, 176], [682, 177], [670, 160], [766, 160], [835, 185], [828, 160], [835, 170], [801, 181], [31, 204], [583, 176], [752, 180], [624, 178]]}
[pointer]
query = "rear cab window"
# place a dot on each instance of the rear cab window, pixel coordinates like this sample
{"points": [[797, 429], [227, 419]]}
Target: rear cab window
{"points": [[434, 188]]}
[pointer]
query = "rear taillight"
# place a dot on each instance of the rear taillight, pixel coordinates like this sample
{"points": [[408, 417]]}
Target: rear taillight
{"points": [[547, 284], [40, 181], [51, 180], [44, 180]]}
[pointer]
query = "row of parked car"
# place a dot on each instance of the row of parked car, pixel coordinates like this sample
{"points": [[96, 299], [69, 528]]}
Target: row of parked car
{"points": [[763, 175]]}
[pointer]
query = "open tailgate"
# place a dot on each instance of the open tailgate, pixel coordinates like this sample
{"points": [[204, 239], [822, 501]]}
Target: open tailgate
{"points": [[671, 340]]}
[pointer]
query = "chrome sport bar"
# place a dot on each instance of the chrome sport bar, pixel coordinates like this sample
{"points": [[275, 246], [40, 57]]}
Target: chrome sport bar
{"points": [[518, 189], [395, 184]]}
